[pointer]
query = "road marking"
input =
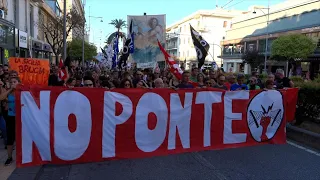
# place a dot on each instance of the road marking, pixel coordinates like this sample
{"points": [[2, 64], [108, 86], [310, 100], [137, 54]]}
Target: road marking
{"points": [[303, 148]]}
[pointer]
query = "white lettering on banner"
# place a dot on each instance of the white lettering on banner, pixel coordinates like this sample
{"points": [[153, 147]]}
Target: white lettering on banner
{"points": [[180, 116], [208, 98], [229, 116], [110, 120], [71, 145], [35, 122], [149, 140]]}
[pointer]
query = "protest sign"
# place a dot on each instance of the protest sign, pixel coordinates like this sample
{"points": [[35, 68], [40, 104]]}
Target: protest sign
{"points": [[31, 71], [57, 125]]}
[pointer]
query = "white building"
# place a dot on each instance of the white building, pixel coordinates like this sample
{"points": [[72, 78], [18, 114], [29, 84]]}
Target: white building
{"points": [[211, 24]]}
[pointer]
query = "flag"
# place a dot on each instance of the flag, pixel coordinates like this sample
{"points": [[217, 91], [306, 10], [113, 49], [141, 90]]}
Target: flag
{"points": [[62, 74], [131, 43], [173, 67], [200, 45], [128, 48], [115, 51]]}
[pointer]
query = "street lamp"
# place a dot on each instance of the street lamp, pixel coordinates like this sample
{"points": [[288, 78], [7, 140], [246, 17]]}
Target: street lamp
{"points": [[101, 20], [64, 30], [267, 33], [220, 52]]}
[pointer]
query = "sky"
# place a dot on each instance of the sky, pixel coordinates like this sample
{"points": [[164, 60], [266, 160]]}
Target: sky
{"points": [[175, 10]]}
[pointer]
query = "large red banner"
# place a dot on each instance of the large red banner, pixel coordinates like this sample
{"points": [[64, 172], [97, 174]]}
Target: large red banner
{"points": [[63, 126]]}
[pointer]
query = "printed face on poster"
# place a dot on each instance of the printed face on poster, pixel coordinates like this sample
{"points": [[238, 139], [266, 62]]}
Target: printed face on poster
{"points": [[31, 71], [148, 30]]}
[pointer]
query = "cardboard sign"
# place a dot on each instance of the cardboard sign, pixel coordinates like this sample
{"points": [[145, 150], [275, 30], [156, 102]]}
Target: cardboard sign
{"points": [[31, 71]]}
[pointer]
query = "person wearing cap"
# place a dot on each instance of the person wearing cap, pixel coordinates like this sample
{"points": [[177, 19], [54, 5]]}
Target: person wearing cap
{"points": [[240, 84]]}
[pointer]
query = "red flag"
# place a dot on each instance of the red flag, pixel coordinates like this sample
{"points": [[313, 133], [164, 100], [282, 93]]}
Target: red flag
{"points": [[173, 67], [291, 100], [62, 74]]}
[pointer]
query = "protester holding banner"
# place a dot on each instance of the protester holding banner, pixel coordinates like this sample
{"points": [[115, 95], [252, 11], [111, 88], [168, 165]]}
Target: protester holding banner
{"points": [[10, 121], [2, 120]]}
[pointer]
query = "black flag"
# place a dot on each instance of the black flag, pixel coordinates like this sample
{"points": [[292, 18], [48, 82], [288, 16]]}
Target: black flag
{"points": [[128, 48], [200, 45]]}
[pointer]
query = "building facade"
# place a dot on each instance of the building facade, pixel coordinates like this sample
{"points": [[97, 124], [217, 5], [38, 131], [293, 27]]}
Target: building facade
{"points": [[250, 31], [7, 31], [211, 24], [78, 6], [20, 32]]}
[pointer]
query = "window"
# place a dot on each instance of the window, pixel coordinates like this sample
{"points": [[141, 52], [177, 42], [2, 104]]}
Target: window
{"points": [[180, 29], [187, 53], [185, 28], [184, 41], [230, 25], [225, 24]]}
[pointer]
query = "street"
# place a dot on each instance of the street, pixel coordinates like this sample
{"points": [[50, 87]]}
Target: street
{"points": [[268, 162]]}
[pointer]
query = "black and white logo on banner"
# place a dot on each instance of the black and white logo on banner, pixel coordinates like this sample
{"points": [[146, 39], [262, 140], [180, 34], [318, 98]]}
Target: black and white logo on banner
{"points": [[265, 114]]}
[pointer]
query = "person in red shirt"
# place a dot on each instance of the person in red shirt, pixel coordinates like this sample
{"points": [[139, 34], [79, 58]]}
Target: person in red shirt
{"points": [[231, 79]]}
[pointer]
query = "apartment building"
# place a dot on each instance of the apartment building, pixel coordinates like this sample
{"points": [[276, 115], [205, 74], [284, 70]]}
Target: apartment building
{"points": [[249, 32], [79, 7], [19, 32], [211, 24]]}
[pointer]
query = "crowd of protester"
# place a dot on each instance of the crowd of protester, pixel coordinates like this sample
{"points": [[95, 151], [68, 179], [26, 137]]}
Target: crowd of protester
{"points": [[149, 78], [91, 77]]}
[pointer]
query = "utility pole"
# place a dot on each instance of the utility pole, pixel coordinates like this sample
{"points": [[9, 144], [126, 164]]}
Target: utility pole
{"points": [[83, 35], [64, 29]]}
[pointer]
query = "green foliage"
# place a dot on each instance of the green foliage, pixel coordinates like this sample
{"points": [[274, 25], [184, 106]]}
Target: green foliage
{"points": [[253, 58], [297, 79], [112, 36], [308, 102], [74, 50], [292, 46], [118, 23]]}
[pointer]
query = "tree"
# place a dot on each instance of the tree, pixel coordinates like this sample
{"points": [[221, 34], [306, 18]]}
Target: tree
{"points": [[74, 49], [118, 24], [291, 47], [253, 58], [53, 30]]}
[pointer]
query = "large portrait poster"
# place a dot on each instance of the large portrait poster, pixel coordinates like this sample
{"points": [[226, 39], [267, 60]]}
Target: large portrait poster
{"points": [[148, 29]]}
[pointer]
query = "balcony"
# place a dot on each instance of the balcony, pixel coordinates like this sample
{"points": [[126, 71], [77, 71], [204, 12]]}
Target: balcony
{"points": [[172, 46], [233, 51], [172, 36]]}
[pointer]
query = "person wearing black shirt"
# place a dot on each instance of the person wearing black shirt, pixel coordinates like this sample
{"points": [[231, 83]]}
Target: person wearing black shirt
{"points": [[282, 81]]}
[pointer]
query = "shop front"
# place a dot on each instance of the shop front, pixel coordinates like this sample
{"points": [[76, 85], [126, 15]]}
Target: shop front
{"points": [[37, 49], [7, 41], [47, 51], [22, 44]]}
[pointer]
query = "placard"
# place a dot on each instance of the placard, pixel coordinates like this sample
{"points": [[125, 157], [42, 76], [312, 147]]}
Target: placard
{"points": [[31, 71]]}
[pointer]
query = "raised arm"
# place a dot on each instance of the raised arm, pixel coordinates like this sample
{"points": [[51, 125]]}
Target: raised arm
{"points": [[5, 94]]}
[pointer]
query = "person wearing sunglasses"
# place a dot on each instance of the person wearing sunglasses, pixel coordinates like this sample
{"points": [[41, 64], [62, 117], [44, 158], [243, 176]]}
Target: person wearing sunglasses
{"points": [[253, 84], [88, 82], [221, 79]]}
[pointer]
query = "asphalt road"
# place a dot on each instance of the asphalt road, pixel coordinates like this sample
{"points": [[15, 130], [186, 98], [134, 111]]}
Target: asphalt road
{"points": [[268, 162]]}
